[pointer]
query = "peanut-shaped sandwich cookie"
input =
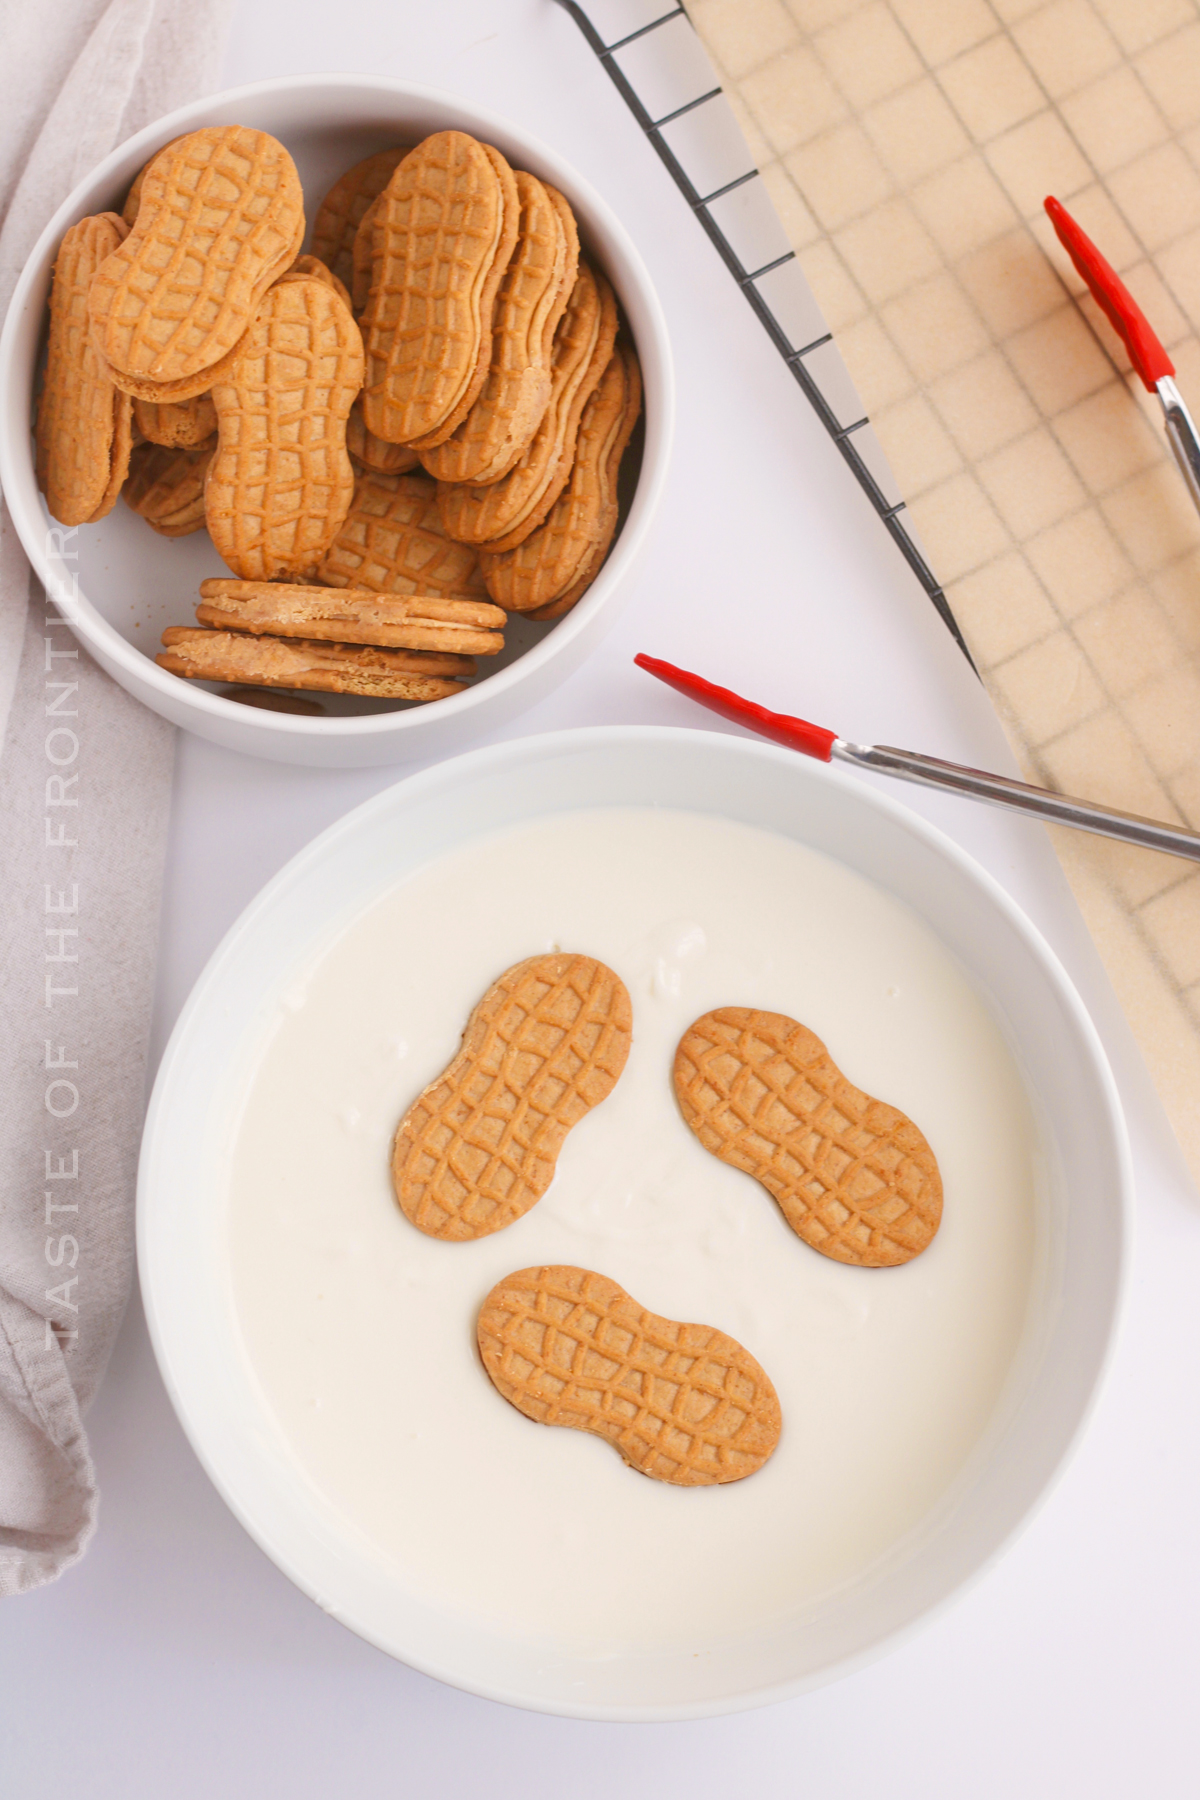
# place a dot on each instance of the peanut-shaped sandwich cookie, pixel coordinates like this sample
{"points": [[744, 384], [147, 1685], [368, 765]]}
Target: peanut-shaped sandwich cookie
{"points": [[281, 482], [393, 540], [353, 616], [443, 234], [220, 214], [557, 563], [84, 424], [853, 1176], [501, 514], [533, 296], [683, 1403], [479, 1147], [276, 662]]}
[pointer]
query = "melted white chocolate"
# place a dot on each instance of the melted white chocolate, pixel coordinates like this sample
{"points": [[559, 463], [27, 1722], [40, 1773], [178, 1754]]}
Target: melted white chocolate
{"points": [[361, 1330]]}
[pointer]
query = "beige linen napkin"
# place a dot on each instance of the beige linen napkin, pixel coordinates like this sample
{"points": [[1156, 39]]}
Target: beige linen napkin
{"points": [[908, 145], [85, 778]]}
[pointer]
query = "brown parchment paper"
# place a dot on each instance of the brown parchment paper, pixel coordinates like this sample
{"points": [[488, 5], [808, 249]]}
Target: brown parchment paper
{"points": [[908, 145]]}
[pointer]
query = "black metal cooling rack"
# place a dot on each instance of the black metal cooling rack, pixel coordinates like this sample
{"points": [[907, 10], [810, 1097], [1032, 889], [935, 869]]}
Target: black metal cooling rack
{"points": [[684, 137]]}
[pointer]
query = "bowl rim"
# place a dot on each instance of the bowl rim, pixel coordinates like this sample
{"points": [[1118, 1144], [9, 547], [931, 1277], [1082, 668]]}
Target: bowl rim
{"points": [[743, 753], [135, 665]]}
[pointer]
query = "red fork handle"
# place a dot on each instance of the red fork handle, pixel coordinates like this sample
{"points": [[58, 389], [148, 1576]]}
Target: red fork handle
{"points": [[781, 728], [1113, 298]]}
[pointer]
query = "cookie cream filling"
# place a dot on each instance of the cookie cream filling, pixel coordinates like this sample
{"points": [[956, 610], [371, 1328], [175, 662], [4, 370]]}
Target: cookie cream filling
{"points": [[360, 1330]]}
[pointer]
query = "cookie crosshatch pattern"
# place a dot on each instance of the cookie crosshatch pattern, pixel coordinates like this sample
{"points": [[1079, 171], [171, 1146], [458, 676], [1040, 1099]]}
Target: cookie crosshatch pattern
{"points": [[682, 1403], [854, 1177], [479, 1146], [906, 147]]}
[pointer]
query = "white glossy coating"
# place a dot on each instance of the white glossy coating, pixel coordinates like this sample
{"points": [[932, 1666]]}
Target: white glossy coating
{"points": [[1082, 1174], [361, 1329]]}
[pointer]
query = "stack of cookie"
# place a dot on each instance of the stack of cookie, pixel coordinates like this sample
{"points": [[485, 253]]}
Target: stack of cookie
{"points": [[492, 362], [427, 413], [347, 641]]}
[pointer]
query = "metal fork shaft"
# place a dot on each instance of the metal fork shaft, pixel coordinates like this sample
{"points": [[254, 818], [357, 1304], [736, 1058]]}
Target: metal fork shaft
{"points": [[1018, 796], [1182, 436]]}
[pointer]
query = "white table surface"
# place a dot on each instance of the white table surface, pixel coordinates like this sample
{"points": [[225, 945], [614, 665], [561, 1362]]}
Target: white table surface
{"points": [[175, 1659]]}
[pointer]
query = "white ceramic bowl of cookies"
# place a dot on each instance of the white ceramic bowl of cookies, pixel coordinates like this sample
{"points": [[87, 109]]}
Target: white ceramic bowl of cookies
{"points": [[120, 585], [320, 1350]]}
